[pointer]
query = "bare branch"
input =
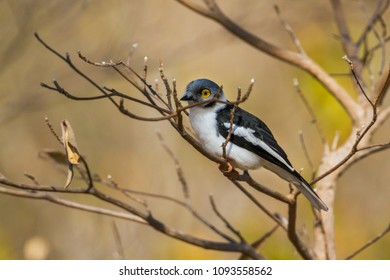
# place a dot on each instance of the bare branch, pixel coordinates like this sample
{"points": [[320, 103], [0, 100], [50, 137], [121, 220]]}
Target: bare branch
{"points": [[50, 126], [263, 189], [258, 204], [369, 243], [310, 111], [257, 243], [381, 8], [359, 136], [32, 178], [56, 200], [225, 221], [232, 111], [178, 168], [306, 153], [290, 31], [292, 234], [169, 108], [355, 75], [382, 87], [349, 47]]}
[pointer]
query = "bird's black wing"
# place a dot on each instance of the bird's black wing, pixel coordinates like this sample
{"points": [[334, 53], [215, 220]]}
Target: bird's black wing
{"points": [[251, 133]]}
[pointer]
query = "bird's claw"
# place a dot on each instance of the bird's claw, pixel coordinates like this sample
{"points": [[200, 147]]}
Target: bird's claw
{"points": [[228, 171]]}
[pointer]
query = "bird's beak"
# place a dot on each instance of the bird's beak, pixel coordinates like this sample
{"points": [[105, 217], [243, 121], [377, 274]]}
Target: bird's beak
{"points": [[187, 97]]}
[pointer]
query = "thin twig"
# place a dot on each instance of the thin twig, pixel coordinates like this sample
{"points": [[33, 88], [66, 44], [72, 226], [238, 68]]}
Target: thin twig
{"points": [[257, 243], [369, 243], [167, 86], [53, 131], [126, 192], [377, 15], [225, 221], [346, 41], [360, 135], [355, 75], [292, 234], [310, 110], [290, 31], [306, 153], [178, 168], [381, 87], [34, 194], [32, 178], [232, 111], [178, 108], [263, 189], [258, 204]]}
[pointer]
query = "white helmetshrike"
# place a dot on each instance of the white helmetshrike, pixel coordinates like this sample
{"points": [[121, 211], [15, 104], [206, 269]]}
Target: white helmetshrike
{"points": [[251, 143]]}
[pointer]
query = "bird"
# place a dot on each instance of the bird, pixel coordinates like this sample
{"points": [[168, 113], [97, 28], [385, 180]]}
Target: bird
{"points": [[251, 144]]}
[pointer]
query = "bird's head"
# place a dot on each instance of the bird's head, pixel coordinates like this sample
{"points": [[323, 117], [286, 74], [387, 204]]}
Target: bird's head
{"points": [[202, 90]]}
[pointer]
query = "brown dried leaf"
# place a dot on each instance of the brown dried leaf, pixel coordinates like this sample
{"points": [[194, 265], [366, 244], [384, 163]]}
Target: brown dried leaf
{"points": [[69, 176], [70, 145], [69, 140], [59, 160]]}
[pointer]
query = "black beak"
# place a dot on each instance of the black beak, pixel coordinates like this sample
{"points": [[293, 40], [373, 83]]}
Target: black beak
{"points": [[187, 97]]}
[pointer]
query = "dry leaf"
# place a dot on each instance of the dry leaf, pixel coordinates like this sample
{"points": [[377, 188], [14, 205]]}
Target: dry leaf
{"points": [[59, 160], [69, 140], [69, 177], [70, 145]]}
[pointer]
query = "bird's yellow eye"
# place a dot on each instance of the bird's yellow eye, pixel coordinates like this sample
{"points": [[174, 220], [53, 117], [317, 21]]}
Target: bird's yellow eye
{"points": [[205, 93]]}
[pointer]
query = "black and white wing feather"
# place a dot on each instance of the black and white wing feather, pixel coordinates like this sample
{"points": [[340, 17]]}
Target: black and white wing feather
{"points": [[252, 134]]}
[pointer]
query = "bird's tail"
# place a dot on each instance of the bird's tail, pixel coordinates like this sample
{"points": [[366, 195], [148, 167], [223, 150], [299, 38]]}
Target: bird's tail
{"points": [[305, 188], [295, 178]]}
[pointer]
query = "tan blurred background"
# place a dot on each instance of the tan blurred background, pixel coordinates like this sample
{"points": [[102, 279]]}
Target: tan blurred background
{"points": [[190, 47]]}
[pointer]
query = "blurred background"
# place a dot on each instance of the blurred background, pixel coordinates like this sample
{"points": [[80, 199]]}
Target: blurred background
{"points": [[190, 47]]}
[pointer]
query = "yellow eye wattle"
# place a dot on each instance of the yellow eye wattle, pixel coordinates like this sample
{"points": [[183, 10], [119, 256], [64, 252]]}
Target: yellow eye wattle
{"points": [[205, 93]]}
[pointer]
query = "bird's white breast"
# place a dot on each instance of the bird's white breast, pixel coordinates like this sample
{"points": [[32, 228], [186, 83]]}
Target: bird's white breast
{"points": [[204, 123]]}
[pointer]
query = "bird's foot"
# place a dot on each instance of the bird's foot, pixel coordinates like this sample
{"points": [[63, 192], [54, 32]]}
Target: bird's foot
{"points": [[228, 171]]}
